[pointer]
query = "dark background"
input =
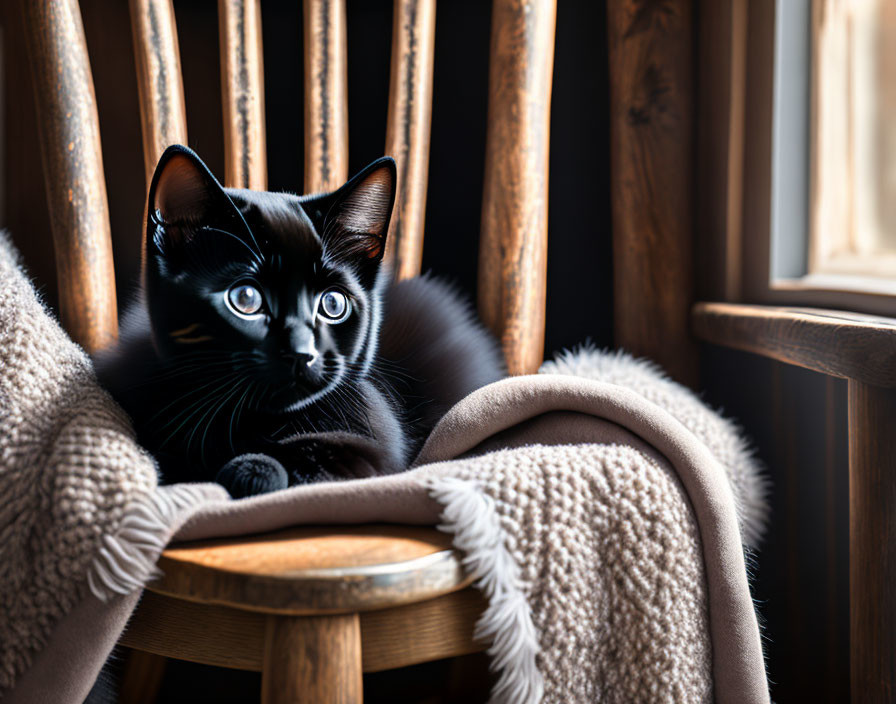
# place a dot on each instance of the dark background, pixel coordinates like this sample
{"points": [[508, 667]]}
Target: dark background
{"points": [[797, 418]]}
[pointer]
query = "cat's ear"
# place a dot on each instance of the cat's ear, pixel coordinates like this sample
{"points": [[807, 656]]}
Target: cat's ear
{"points": [[183, 193], [357, 221]]}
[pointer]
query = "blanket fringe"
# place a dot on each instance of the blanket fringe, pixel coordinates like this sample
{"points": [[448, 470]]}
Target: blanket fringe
{"points": [[126, 560], [470, 515]]}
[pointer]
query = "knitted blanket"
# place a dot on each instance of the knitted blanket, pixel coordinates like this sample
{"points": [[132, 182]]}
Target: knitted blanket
{"points": [[602, 509]]}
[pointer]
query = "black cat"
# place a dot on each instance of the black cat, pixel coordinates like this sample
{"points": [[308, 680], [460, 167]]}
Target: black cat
{"points": [[270, 347]]}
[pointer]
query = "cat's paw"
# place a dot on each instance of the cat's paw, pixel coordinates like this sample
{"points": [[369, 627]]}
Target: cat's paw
{"points": [[252, 474]]}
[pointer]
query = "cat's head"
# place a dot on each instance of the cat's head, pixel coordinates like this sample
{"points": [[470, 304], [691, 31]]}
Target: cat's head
{"points": [[274, 293]]}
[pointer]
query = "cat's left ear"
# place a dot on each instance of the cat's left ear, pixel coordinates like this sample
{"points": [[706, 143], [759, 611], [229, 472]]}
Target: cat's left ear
{"points": [[357, 220]]}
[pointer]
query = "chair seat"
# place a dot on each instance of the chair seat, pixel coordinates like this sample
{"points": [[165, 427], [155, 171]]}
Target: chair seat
{"points": [[314, 570], [219, 601]]}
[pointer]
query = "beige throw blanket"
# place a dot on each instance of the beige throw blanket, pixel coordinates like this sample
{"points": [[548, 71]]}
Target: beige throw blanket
{"points": [[603, 518]]}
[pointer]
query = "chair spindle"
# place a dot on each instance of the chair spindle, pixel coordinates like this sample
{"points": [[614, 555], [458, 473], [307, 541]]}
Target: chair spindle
{"points": [[513, 242], [242, 88], [73, 170], [163, 116], [326, 102], [408, 129]]}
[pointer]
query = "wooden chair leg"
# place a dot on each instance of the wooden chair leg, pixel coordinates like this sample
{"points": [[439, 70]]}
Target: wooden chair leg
{"points": [[312, 659], [142, 677]]}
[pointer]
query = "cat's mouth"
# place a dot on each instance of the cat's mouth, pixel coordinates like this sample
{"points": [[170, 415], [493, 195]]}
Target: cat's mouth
{"points": [[304, 387]]}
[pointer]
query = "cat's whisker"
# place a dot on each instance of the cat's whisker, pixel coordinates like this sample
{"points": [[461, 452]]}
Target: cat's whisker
{"points": [[193, 372], [253, 399], [257, 255], [396, 373], [202, 359], [204, 407], [391, 374], [194, 390], [237, 414], [193, 408], [353, 405], [208, 423], [337, 406], [186, 419]]}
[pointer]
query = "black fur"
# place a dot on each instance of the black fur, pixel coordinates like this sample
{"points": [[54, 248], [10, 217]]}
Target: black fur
{"points": [[210, 389]]}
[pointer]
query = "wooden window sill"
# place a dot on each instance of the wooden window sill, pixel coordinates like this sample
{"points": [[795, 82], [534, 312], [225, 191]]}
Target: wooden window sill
{"points": [[838, 343], [861, 348]]}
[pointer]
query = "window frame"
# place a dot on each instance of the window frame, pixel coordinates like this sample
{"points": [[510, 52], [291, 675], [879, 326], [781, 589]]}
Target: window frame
{"points": [[735, 163]]}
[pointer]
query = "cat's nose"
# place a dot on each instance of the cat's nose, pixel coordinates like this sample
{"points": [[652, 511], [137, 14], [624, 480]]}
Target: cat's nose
{"points": [[301, 347], [301, 360], [305, 359]]}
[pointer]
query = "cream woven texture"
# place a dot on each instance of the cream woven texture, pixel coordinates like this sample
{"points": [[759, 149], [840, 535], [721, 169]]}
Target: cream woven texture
{"points": [[611, 566], [68, 466]]}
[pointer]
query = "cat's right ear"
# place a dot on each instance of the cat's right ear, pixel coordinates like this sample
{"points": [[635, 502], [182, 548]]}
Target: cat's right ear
{"points": [[182, 194]]}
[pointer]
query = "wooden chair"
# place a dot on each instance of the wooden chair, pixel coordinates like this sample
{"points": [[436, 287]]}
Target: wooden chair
{"points": [[310, 608]]}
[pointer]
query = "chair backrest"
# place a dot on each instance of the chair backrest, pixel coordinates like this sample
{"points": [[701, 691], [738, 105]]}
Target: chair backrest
{"points": [[513, 239]]}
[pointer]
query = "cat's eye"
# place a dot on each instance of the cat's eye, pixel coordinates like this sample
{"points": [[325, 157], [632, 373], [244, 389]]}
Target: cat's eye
{"points": [[244, 299], [334, 306]]}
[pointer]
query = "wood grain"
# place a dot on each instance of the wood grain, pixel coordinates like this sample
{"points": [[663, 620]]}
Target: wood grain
{"points": [[312, 659], [651, 47], [848, 345], [315, 570], [326, 95], [513, 243], [757, 174], [227, 637], [163, 116], [242, 88], [73, 168], [720, 148], [408, 129], [872, 542], [428, 630], [203, 633]]}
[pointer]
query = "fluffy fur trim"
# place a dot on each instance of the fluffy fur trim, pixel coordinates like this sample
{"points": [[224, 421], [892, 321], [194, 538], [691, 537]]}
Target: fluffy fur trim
{"points": [[723, 437], [506, 623], [127, 559]]}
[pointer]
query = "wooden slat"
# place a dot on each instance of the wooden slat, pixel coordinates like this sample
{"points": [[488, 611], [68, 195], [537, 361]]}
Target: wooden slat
{"points": [[513, 243], [326, 102], [872, 542], [832, 472], [242, 87], [163, 116], [757, 167], [73, 169], [720, 148], [848, 345], [226, 637], [651, 65], [408, 129]]}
